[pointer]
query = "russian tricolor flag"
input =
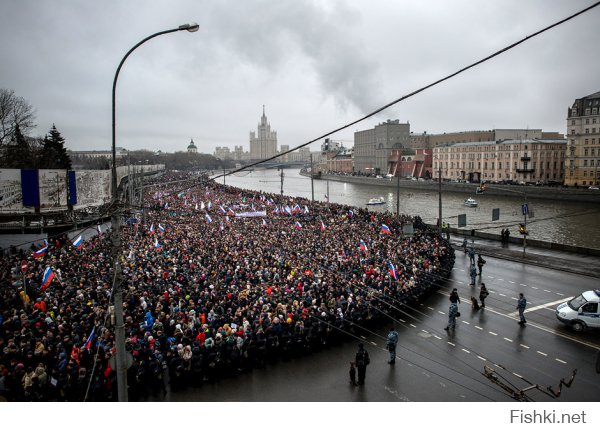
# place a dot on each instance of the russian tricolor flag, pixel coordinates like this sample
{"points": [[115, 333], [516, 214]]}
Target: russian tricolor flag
{"points": [[350, 213], [223, 209], [161, 228], [385, 229], [298, 225], [363, 246], [156, 244], [322, 226], [78, 242], [264, 223], [221, 227], [393, 270], [47, 278], [42, 251], [151, 229], [88, 342], [208, 218]]}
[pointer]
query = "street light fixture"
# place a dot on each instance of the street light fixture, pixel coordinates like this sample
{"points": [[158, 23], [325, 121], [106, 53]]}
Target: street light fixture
{"points": [[121, 369]]}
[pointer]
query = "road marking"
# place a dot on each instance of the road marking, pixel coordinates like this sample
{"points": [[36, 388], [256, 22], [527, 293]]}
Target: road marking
{"points": [[507, 339], [544, 354], [523, 285], [481, 358], [502, 295], [534, 287], [468, 352], [524, 346], [479, 328], [442, 312], [450, 343], [430, 308], [467, 322], [517, 375], [559, 294], [547, 290], [512, 282], [492, 333], [401, 320], [501, 280], [373, 343], [437, 337], [424, 331], [412, 325], [559, 360], [544, 306]]}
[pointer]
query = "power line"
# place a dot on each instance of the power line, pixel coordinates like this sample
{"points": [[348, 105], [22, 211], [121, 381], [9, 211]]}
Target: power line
{"points": [[439, 81]]}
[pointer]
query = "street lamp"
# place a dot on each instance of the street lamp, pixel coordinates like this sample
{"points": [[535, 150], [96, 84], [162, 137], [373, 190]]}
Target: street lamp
{"points": [[121, 368]]}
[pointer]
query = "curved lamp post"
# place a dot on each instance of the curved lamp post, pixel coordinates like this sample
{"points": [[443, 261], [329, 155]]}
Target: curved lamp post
{"points": [[121, 357]]}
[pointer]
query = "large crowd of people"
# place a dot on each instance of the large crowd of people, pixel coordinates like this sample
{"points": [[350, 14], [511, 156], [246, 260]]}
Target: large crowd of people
{"points": [[218, 281]]}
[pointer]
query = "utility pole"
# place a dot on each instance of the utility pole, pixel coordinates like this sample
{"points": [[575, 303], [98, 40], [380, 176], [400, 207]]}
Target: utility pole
{"points": [[525, 212], [312, 179], [440, 200], [281, 174]]}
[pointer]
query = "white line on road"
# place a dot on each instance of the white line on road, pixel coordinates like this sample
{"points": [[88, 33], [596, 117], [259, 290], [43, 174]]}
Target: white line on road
{"points": [[450, 343], [442, 312], [494, 334], [547, 290], [507, 339], [534, 287], [544, 354], [412, 325], [467, 322], [512, 282], [468, 352], [517, 375], [481, 358], [524, 346], [502, 295], [559, 360], [523, 285], [479, 328], [437, 337], [430, 308], [545, 305]]}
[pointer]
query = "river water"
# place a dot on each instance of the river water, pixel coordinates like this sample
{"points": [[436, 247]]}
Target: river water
{"points": [[564, 222]]}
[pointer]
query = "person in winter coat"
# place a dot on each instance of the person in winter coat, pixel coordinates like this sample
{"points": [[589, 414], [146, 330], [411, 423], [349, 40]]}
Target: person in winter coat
{"points": [[392, 341], [483, 293], [473, 274], [362, 361], [480, 263], [521, 304], [452, 314]]}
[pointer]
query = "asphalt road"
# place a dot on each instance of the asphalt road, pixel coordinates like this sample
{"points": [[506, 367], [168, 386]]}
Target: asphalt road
{"points": [[440, 366]]}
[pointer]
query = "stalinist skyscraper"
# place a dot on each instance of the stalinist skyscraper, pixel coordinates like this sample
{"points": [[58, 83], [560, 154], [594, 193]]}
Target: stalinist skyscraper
{"points": [[263, 142]]}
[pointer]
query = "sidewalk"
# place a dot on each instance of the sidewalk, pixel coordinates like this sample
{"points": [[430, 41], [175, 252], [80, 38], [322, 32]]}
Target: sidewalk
{"points": [[558, 260]]}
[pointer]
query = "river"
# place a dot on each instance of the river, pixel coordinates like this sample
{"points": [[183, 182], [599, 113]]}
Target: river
{"points": [[571, 223]]}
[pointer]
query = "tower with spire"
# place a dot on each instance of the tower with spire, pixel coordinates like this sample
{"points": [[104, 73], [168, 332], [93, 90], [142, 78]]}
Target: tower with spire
{"points": [[263, 142]]}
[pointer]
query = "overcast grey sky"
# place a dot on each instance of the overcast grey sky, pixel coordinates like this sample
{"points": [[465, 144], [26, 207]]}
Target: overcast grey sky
{"points": [[315, 65]]}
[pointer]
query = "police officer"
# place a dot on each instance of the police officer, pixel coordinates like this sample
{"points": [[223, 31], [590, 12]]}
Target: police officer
{"points": [[392, 341]]}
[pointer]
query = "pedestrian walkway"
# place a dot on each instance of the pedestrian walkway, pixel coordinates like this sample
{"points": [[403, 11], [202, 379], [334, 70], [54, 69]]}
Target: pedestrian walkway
{"points": [[586, 265]]}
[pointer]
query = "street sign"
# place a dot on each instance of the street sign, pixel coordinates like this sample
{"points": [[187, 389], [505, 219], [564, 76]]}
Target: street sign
{"points": [[24, 266], [525, 209], [495, 214]]}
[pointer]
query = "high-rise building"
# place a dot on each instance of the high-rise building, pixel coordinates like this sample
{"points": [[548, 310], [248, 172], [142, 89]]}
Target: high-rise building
{"points": [[583, 142], [263, 142], [372, 147]]}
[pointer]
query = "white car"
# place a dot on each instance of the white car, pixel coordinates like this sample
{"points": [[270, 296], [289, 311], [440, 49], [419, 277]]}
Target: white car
{"points": [[594, 188], [581, 311]]}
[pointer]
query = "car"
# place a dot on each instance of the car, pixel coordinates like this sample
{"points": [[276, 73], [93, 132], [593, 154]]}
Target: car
{"points": [[581, 312], [594, 188]]}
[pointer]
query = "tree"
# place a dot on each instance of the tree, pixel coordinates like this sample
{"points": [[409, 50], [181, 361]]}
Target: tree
{"points": [[18, 153], [14, 111], [54, 154]]}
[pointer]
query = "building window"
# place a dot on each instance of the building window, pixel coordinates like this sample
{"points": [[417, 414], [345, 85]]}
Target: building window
{"points": [[587, 131], [585, 150], [492, 165], [573, 122], [585, 162], [587, 121], [572, 131]]}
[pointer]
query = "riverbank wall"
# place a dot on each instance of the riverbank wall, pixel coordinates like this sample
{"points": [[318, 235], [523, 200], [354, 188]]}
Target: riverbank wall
{"points": [[559, 193]]}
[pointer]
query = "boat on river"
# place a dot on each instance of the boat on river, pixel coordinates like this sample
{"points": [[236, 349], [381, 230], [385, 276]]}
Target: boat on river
{"points": [[376, 201], [470, 202]]}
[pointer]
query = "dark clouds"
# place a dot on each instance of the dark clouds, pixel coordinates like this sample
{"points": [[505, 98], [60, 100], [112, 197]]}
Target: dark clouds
{"points": [[315, 65]]}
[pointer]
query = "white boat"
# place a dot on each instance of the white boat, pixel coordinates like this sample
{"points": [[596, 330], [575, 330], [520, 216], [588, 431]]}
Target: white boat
{"points": [[376, 201], [470, 202]]}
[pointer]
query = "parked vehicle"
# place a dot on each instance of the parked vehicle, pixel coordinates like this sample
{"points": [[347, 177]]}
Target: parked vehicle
{"points": [[580, 312]]}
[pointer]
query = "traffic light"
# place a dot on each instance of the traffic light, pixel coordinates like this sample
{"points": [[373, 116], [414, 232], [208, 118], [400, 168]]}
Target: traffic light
{"points": [[522, 229]]}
